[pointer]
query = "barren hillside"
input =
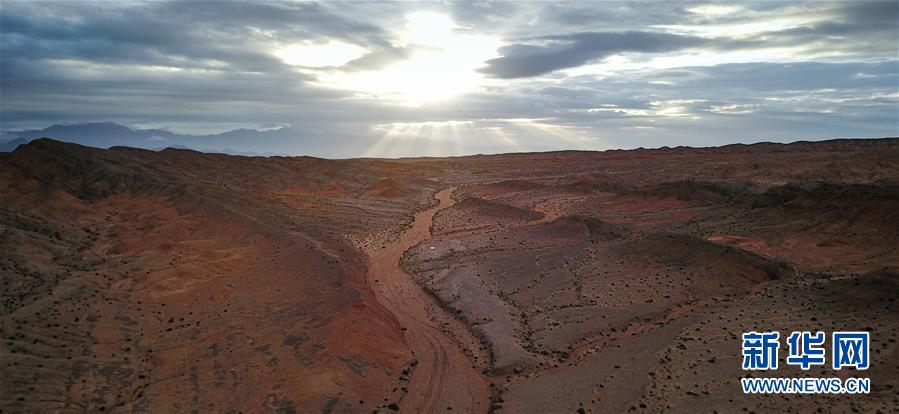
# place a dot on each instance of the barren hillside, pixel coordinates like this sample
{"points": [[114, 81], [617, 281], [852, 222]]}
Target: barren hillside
{"points": [[178, 281]]}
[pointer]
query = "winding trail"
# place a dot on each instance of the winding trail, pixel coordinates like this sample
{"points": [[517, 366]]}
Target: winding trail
{"points": [[445, 376]]}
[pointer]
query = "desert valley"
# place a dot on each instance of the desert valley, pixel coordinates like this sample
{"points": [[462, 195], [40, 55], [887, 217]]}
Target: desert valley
{"points": [[574, 281]]}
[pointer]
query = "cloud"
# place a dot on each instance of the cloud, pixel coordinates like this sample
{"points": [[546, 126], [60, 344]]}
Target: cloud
{"points": [[380, 58], [766, 77], [177, 34], [551, 53], [862, 29], [666, 74]]}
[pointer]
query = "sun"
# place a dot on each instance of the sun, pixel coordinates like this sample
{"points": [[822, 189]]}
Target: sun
{"points": [[443, 64]]}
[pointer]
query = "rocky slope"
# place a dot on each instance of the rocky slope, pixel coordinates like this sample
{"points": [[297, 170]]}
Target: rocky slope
{"points": [[178, 281]]}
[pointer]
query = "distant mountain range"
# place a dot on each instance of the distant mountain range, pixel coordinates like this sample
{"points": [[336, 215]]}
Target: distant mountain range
{"points": [[109, 134]]}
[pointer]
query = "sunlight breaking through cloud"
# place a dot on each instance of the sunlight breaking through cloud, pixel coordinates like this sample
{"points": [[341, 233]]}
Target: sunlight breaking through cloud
{"points": [[413, 78], [469, 137], [320, 55], [443, 64]]}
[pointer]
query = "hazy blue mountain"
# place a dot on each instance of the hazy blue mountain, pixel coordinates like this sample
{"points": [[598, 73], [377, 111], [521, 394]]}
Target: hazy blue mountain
{"points": [[12, 145], [247, 141], [109, 134]]}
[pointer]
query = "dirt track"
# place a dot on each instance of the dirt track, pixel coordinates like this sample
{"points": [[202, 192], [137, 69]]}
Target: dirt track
{"points": [[444, 376]]}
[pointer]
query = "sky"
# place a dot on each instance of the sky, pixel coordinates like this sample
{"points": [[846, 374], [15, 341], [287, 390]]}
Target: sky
{"points": [[349, 79]]}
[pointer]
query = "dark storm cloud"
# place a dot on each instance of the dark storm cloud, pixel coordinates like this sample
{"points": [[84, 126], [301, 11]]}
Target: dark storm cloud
{"points": [[572, 50]]}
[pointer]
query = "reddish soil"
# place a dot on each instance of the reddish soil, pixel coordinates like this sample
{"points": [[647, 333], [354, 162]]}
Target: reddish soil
{"points": [[444, 378], [185, 282], [177, 281], [631, 291]]}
